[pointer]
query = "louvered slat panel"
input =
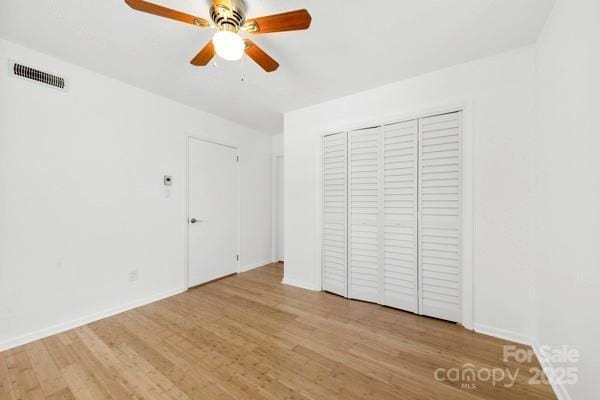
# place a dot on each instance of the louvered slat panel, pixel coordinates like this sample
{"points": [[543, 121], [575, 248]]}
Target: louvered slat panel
{"points": [[364, 238], [335, 214], [400, 151], [440, 209]]}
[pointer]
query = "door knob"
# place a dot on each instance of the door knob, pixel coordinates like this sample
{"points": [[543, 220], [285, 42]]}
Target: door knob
{"points": [[194, 220]]}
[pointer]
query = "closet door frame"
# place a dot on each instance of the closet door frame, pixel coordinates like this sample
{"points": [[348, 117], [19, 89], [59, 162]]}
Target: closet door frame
{"points": [[467, 189]]}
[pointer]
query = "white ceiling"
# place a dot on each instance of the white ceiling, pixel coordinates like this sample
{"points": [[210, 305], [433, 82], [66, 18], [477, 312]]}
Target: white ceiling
{"points": [[352, 45]]}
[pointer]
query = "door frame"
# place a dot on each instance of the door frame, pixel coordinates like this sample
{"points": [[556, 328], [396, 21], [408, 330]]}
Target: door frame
{"points": [[218, 142], [468, 182], [275, 233]]}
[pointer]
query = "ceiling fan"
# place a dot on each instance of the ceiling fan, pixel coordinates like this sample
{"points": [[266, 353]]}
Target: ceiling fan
{"points": [[229, 18]]}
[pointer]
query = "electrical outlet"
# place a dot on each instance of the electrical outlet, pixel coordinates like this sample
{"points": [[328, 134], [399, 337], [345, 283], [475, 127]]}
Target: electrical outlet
{"points": [[133, 275]]}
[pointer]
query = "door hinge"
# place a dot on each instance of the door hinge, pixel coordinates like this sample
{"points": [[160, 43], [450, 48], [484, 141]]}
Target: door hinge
{"points": [[238, 257], [237, 158]]}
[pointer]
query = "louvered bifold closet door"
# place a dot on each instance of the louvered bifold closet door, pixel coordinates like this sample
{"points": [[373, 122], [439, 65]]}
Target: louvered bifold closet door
{"points": [[335, 214], [364, 198], [440, 214], [400, 264]]}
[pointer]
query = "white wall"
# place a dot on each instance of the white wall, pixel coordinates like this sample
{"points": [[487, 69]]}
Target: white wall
{"points": [[82, 201], [568, 269], [501, 92]]}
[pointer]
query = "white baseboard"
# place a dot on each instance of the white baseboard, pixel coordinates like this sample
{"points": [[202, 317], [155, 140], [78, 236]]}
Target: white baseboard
{"points": [[65, 326], [503, 334], [302, 285], [256, 265], [560, 390]]}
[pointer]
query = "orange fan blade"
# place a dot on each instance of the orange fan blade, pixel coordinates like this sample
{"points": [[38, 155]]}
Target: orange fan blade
{"points": [[150, 8], [205, 55], [260, 57], [289, 21]]}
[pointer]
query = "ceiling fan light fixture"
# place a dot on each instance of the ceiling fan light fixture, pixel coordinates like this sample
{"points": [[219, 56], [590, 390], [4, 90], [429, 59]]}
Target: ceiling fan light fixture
{"points": [[229, 17], [229, 45]]}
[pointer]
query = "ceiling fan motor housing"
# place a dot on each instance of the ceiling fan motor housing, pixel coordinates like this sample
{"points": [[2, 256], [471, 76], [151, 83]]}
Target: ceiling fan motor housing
{"points": [[228, 15]]}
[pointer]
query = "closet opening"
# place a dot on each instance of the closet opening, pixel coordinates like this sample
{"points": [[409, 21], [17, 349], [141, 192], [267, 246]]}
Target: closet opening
{"points": [[391, 223]]}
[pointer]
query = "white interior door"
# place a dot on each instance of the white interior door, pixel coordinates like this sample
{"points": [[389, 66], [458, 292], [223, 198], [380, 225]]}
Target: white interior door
{"points": [[335, 214], [440, 213], [213, 211], [364, 222], [400, 171]]}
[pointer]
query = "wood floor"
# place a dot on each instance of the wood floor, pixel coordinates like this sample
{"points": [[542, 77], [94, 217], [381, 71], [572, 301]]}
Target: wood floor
{"points": [[250, 337]]}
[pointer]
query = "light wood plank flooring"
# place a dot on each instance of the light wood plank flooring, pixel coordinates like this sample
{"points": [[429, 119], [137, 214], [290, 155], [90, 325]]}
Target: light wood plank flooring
{"points": [[250, 337]]}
